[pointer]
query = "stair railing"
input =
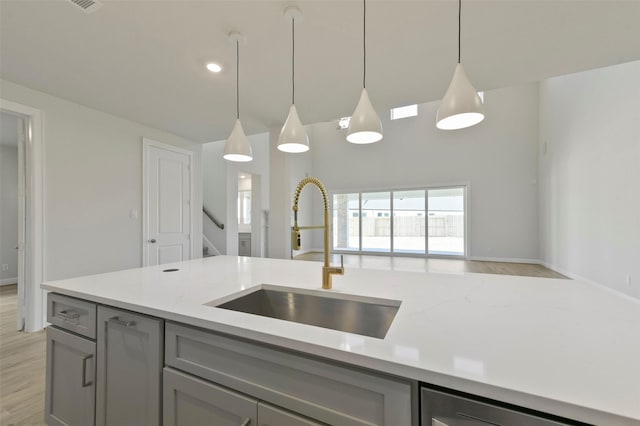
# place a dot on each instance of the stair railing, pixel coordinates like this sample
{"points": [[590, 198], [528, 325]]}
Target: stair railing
{"points": [[213, 219]]}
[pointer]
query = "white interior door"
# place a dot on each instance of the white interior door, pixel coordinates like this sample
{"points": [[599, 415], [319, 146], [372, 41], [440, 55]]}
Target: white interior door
{"points": [[168, 204], [22, 225]]}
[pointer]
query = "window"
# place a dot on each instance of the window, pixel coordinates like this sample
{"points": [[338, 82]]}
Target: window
{"points": [[418, 222], [244, 207], [408, 222], [346, 222], [376, 229], [404, 112], [446, 221]]}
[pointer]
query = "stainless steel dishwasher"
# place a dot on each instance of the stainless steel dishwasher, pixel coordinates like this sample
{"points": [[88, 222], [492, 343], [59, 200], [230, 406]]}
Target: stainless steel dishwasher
{"points": [[439, 408]]}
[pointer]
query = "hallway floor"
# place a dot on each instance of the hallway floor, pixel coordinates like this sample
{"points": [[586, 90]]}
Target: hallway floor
{"points": [[22, 367], [447, 266]]}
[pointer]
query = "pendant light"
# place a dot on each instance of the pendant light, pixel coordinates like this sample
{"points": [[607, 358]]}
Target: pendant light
{"points": [[365, 125], [293, 138], [461, 106], [237, 147]]}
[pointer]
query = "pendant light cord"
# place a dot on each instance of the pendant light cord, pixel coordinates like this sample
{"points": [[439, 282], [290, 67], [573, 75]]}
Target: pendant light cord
{"points": [[459, 26], [238, 79], [293, 59], [364, 45]]}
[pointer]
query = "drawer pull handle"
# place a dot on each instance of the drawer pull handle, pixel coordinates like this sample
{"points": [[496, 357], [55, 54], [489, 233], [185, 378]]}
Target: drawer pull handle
{"points": [[478, 419], [246, 422], [84, 372], [117, 320], [68, 315]]}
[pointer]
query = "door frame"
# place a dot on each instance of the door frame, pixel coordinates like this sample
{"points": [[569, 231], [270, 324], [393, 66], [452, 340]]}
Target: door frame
{"points": [[34, 297], [146, 144]]}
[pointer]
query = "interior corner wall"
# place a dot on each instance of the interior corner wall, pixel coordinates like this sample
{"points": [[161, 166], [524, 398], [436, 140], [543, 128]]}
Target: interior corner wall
{"points": [[589, 173], [310, 206], [221, 191], [9, 213], [497, 158], [93, 183], [214, 193], [280, 181]]}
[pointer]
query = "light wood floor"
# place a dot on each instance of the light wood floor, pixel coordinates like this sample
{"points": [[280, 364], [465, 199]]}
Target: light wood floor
{"points": [[414, 264], [22, 367]]}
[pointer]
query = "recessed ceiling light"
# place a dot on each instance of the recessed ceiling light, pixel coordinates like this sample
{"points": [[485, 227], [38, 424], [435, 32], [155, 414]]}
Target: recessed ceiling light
{"points": [[213, 67]]}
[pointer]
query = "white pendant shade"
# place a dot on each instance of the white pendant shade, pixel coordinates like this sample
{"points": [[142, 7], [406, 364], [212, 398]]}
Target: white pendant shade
{"points": [[461, 106], [365, 125], [237, 147], [293, 138]]}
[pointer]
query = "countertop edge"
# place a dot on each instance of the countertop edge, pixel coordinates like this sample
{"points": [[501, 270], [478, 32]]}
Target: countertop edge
{"points": [[501, 394]]}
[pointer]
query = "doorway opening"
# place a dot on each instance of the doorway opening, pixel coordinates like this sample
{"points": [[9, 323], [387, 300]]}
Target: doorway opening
{"points": [[21, 216], [244, 213]]}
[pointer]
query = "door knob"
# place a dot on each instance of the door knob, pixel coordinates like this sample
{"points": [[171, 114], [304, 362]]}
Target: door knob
{"points": [[152, 241]]}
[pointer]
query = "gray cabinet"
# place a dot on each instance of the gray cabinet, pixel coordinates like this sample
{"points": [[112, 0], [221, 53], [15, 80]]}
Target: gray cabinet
{"points": [[72, 314], [316, 389], [269, 415], [129, 368], [190, 401], [244, 244], [70, 387]]}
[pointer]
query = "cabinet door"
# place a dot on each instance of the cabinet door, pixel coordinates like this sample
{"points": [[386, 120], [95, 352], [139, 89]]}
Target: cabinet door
{"points": [[189, 401], [268, 415], [130, 353], [70, 392]]}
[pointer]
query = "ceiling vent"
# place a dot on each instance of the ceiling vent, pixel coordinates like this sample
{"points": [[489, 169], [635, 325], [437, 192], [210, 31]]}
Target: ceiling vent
{"points": [[88, 6]]}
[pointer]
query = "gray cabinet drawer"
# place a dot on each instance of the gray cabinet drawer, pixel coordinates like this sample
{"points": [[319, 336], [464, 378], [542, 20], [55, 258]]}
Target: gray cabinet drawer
{"points": [[444, 409], [72, 314], [189, 401], [316, 389]]}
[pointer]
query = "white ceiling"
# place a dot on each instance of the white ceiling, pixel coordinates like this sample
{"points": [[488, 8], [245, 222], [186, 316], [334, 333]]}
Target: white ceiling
{"points": [[144, 60]]}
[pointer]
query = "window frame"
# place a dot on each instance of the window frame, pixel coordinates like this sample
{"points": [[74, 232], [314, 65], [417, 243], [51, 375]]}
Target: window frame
{"points": [[465, 186]]}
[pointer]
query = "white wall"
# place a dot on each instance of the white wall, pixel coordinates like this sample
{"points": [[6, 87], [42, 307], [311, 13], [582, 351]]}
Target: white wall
{"points": [[221, 190], [9, 213], [590, 175], [214, 193], [310, 206], [92, 181], [497, 158]]}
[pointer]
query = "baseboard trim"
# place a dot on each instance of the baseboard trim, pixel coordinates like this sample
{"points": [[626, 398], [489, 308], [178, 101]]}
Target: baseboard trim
{"points": [[8, 281], [506, 260], [577, 277], [571, 274]]}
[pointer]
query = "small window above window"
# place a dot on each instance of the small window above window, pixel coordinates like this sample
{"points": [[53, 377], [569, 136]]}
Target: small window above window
{"points": [[404, 112]]}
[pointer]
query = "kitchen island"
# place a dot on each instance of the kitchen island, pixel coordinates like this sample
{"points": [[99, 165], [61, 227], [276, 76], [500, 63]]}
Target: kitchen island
{"points": [[567, 348]]}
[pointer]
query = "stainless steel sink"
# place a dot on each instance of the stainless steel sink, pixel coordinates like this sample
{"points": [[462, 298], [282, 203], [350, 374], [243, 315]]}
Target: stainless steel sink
{"points": [[353, 314]]}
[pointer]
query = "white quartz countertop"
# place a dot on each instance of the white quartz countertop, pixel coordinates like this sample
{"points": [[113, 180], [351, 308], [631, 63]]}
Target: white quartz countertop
{"points": [[563, 347]]}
